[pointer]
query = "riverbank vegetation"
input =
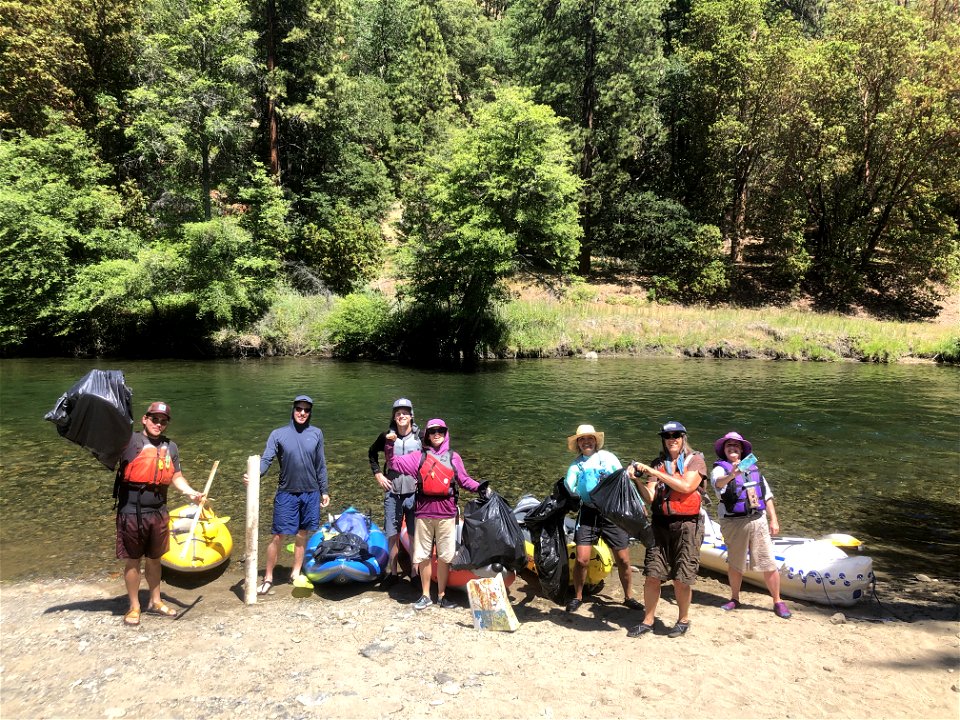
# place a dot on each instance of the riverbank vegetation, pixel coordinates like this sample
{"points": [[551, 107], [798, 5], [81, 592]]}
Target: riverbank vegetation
{"points": [[600, 318], [250, 176]]}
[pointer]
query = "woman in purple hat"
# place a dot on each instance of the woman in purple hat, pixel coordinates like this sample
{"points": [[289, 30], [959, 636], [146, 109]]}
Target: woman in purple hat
{"points": [[746, 509]]}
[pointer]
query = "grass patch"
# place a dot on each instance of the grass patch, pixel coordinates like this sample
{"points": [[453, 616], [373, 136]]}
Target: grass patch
{"points": [[605, 319]]}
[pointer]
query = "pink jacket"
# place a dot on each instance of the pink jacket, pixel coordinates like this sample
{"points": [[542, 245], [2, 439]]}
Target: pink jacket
{"points": [[432, 507]]}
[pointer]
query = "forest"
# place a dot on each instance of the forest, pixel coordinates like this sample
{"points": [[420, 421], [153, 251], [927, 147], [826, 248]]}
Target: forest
{"points": [[174, 171]]}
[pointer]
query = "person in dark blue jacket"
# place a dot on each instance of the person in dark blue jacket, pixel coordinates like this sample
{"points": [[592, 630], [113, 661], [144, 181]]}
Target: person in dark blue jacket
{"points": [[301, 491]]}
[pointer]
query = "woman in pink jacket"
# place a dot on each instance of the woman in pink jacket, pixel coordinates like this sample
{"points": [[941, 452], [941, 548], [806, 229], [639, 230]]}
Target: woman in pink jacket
{"points": [[439, 472]]}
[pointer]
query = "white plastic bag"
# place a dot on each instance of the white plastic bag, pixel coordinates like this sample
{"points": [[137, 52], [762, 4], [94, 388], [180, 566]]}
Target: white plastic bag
{"points": [[490, 604]]}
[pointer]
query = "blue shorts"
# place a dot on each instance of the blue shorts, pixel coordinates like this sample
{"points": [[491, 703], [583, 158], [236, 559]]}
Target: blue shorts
{"points": [[293, 512], [396, 507]]}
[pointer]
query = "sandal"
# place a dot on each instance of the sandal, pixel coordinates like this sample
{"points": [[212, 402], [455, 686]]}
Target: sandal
{"points": [[264, 587], [732, 605], [132, 618], [163, 610], [302, 582], [633, 604]]}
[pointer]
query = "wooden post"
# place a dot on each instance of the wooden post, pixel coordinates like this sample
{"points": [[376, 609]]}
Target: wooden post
{"points": [[253, 527]]}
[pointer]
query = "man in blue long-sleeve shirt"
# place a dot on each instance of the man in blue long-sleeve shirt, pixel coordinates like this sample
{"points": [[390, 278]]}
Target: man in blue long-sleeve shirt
{"points": [[301, 491]]}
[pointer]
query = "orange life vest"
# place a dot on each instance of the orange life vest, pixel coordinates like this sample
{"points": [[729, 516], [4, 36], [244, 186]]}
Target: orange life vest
{"points": [[152, 466], [671, 503]]}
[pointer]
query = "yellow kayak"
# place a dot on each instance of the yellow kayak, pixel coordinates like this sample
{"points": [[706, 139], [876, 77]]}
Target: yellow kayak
{"points": [[209, 546]]}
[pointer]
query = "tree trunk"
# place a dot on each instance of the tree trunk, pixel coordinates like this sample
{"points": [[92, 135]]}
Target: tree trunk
{"points": [[205, 178], [273, 133], [589, 103]]}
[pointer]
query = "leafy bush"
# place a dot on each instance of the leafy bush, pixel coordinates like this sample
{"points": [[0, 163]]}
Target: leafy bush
{"points": [[359, 326]]}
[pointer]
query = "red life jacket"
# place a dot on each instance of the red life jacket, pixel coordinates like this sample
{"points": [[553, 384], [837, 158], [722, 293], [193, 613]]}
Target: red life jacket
{"points": [[435, 476], [670, 503], [151, 466]]}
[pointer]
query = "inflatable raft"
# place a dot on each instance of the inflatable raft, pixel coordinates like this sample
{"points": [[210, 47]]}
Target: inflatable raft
{"points": [[207, 548], [812, 570], [349, 548]]}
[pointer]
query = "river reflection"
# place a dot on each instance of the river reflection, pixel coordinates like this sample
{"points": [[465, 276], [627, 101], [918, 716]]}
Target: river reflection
{"points": [[870, 450]]}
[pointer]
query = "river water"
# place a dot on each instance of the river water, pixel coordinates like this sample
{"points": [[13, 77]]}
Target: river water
{"points": [[870, 450]]}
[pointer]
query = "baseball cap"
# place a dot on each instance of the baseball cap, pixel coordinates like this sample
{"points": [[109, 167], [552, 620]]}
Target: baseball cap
{"points": [[673, 426], [158, 408]]}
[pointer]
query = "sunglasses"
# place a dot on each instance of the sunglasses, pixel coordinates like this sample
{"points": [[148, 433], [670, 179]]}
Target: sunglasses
{"points": [[303, 410], [437, 431], [158, 419], [672, 435]]}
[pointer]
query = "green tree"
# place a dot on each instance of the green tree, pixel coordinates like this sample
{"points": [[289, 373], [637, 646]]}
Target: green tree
{"points": [[420, 90], [874, 155], [600, 65], [57, 214], [736, 67], [335, 128], [193, 109], [168, 296], [498, 197], [40, 56]]}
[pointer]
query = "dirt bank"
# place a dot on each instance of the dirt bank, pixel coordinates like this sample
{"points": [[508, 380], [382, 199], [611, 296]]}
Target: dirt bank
{"points": [[360, 652]]}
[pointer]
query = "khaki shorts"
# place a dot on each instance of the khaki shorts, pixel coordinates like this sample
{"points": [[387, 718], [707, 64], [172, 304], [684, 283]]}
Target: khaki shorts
{"points": [[753, 534], [441, 530], [676, 555]]}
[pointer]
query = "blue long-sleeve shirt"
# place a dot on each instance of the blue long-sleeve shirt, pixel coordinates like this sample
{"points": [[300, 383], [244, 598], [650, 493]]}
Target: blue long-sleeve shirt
{"points": [[303, 466]]}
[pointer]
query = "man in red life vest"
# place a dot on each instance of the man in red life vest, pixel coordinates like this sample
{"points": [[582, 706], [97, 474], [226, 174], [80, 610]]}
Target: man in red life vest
{"points": [[149, 465]]}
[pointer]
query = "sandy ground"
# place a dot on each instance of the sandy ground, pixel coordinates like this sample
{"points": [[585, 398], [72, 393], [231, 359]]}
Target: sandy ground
{"points": [[361, 652]]}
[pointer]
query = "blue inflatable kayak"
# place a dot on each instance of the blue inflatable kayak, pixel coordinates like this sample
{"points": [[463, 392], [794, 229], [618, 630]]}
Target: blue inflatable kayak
{"points": [[351, 548]]}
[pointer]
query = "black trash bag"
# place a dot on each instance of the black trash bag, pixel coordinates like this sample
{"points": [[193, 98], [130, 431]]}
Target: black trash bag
{"points": [[545, 523], [95, 414], [491, 535], [617, 499]]}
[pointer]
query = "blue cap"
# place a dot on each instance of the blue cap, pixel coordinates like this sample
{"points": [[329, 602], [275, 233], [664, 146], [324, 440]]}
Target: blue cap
{"points": [[673, 426], [403, 403], [302, 398]]}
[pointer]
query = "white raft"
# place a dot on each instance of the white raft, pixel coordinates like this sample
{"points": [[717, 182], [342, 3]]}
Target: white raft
{"points": [[813, 570]]}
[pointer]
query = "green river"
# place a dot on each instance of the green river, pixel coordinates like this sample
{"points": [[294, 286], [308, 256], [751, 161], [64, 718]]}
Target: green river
{"points": [[870, 450]]}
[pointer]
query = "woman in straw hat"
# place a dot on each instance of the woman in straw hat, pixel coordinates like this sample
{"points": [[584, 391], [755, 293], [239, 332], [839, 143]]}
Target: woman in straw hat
{"points": [[591, 464]]}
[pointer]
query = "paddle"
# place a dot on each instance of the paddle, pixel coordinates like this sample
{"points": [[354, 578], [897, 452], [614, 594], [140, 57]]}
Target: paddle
{"points": [[196, 518]]}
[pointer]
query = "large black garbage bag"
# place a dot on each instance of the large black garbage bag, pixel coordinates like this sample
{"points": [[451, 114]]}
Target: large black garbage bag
{"points": [[491, 535], [617, 499], [545, 525], [95, 414]]}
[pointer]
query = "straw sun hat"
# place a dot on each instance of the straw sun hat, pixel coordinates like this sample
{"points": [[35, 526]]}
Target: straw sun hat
{"points": [[583, 430]]}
